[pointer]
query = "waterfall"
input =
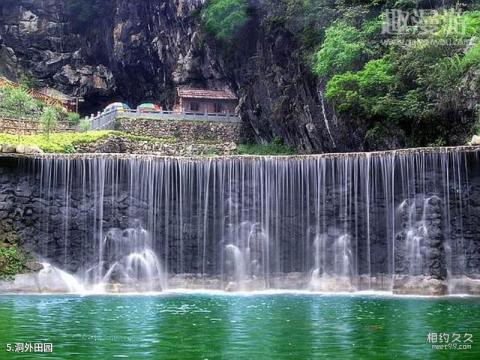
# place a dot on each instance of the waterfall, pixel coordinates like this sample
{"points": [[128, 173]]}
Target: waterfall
{"points": [[238, 260], [333, 263], [52, 278], [128, 261], [245, 255], [351, 222]]}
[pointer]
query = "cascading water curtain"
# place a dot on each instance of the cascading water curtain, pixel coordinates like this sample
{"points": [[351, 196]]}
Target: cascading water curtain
{"points": [[352, 218]]}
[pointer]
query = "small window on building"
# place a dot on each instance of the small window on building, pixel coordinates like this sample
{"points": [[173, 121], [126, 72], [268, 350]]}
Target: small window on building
{"points": [[194, 106], [218, 107]]}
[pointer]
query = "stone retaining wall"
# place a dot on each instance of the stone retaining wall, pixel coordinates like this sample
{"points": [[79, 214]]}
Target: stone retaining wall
{"points": [[27, 126], [185, 131], [123, 145]]}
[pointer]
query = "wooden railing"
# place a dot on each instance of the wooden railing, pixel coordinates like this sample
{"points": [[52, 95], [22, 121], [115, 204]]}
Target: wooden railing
{"points": [[37, 95]]}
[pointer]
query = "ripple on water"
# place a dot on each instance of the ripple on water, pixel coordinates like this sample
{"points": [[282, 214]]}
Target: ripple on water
{"points": [[264, 326]]}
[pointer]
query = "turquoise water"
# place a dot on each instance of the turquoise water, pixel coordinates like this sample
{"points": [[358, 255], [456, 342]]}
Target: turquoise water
{"points": [[196, 326]]}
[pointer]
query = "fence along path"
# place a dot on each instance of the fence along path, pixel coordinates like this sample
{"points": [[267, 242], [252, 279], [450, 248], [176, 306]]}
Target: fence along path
{"points": [[37, 95], [106, 120]]}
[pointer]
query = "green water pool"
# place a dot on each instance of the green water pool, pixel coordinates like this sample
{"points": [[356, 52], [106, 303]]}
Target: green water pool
{"points": [[202, 326]]}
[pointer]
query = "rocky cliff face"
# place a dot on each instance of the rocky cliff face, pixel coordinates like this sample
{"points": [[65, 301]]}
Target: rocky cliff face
{"points": [[140, 51], [129, 52]]}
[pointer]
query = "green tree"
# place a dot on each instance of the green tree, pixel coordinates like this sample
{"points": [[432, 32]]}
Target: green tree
{"points": [[344, 49], [423, 85], [49, 120], [223, 18], [73, 118], [364, 91], [17, 102]]}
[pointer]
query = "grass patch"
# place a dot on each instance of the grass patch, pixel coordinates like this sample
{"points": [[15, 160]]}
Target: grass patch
{"points": [[276, 147], [57, 142], [66, 142]]}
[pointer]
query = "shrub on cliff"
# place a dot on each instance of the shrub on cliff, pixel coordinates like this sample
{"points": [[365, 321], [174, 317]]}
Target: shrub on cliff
{"points": [[223, 18], [424, 83], [29, 82], [275, 147], [363, 91], [12, 261], [85, 12], [344, 49]]}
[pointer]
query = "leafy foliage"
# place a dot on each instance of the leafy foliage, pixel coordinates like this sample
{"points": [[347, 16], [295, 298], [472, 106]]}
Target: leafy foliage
{"points": [[28, 82], [363, 91], [471, 58], [58, 142], [73, 118], [66, 142], [223, 18], [12, 261], [276, 147], [419, 86], [16, 102], [49, 120], [343, 49], [85, 125], [420, 83]]}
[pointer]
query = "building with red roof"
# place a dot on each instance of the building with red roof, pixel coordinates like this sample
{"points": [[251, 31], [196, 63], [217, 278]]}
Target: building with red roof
{"points": [[202, 101]]}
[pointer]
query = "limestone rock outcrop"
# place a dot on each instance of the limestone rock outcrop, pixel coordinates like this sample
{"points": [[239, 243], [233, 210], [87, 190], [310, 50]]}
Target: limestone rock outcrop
{"points": [[140, 51]]}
